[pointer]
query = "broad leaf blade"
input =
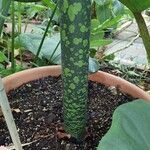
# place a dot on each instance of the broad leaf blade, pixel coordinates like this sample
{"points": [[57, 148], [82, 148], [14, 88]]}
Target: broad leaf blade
{"points": [[103, 13], [136, 5], [31, 42], [130, 128], [3, 57]]}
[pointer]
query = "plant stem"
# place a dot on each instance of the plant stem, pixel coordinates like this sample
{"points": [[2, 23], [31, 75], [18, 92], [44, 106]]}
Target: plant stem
{"points": [[21, 58], [54, 52], [19, 17], [75, 38], [19, 28], [143, 32], [13, 37], [44, 36], [26, 24]]}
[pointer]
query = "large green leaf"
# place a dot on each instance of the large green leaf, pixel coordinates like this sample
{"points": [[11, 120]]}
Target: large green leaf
{"points": [[100, 42], [6, 72], [108, 9], [118, 8], [136, 5], [130, 128], [49, 3], [31, 42], [3, 57], [103, 12], [35, 9]]}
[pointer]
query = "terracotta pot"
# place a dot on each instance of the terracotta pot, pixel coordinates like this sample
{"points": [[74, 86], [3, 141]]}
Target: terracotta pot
{"points": [[15, 80], [3, 148]]}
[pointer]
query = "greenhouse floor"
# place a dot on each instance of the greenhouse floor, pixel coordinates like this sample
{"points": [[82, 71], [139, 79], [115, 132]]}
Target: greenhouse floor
{"points": [[129, 45]]}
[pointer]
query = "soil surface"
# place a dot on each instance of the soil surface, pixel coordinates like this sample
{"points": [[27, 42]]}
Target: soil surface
{"points": [[37, 109]]}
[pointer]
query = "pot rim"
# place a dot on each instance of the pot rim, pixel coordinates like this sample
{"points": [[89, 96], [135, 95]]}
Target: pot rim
{"points": [[17, 79]]}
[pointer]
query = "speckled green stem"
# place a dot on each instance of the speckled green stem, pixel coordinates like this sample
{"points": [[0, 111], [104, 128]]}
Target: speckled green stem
{"points": [[75, 35]]}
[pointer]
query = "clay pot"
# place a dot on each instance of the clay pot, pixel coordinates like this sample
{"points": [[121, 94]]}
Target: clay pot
{"points": [[15, 80], [3, 148]]}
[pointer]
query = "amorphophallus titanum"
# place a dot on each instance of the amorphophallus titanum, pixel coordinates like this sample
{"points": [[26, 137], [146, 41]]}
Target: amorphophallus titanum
{"points": [[75, 37]]}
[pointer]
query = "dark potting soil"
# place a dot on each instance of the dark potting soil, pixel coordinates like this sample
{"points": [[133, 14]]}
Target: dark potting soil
{"points": [[37, 109]]}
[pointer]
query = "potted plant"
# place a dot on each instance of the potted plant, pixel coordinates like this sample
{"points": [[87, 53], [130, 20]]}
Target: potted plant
{"points": [[16, 80], [75, 35]]}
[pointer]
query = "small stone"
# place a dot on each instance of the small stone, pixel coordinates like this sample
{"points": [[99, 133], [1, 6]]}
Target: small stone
{"points": [[113, 90], [28, 85]]}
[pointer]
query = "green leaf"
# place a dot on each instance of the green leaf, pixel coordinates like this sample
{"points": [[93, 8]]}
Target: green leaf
{"points": [[2, 67], [7, 72], [118, 8], [49, 3], [109, 23], [2, 16], [100, 42], [102, 2], [97, 35], [103, 12], [3, 57], [130, 129], [109, 57], [136, 5], [31, 42], [94, 23], [35, 9], [108, 9], [133, 74], [92, 52]]}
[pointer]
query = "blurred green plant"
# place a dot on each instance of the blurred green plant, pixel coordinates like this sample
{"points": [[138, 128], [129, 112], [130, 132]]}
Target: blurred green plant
{"points": [[45, 33], [108, 9], [4, 8]]}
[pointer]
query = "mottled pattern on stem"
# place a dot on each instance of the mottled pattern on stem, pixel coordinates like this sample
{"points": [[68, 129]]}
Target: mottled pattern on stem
{"points": [[75, 34]]}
